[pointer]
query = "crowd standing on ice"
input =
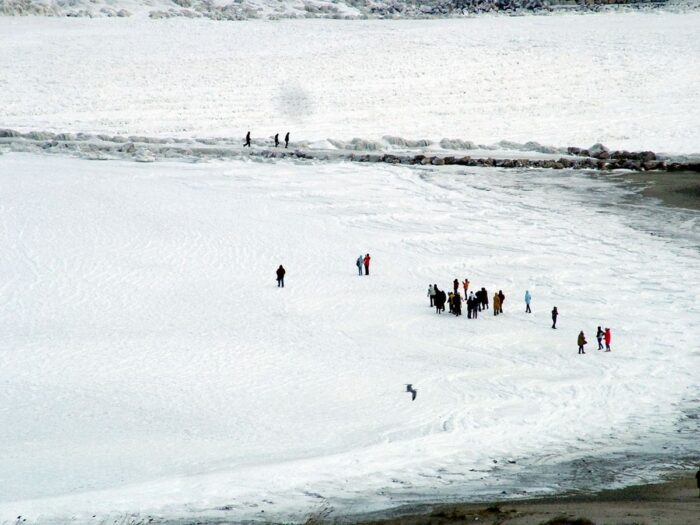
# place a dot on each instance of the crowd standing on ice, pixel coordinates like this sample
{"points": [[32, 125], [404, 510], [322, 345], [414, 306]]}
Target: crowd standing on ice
{"points": [[475, 301], [479, 301]]}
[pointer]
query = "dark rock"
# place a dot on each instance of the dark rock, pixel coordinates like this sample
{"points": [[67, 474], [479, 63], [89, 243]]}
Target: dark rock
{"points": [[6, 133], [692, 166], [464, 161], [596, 149], [573, 151], [437, 161], [449, 160]]}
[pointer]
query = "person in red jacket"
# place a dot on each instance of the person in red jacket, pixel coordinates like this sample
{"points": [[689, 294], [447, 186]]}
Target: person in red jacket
{"points": [[366, 261], [608, 337]]}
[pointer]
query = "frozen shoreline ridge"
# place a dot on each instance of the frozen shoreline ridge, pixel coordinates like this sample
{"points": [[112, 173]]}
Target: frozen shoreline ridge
{"points": [[238, 10]]}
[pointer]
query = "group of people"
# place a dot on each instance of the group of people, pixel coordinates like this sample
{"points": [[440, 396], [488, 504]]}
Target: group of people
{"points": [[479, 301], [276, 139], [601, 335], [363, 261], [476, 301]]}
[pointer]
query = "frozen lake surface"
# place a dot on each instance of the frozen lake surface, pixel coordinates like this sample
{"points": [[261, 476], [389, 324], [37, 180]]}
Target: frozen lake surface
{"points": [[151, 363], [630, 81], [152, 367]]}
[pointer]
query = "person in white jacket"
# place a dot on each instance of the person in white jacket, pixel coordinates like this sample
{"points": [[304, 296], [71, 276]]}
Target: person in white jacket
{"points": [[431, 294]]}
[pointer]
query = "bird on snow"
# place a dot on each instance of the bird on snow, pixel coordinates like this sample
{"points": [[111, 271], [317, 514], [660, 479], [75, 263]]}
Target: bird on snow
{"points": [[413, 391]]}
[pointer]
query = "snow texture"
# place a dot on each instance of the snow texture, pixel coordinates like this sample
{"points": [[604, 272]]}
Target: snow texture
{"points": [[151, 367], [150, 363], [629, 81]]}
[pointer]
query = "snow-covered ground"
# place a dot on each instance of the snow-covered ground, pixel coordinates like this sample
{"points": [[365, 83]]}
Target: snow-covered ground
{"points": [[630, 81], [151, 365]]}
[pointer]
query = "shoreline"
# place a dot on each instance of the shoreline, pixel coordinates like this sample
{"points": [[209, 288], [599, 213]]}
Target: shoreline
{"points": [[671, 502], [677, 190]]}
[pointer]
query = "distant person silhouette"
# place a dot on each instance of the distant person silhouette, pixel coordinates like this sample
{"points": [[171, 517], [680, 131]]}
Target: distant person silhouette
{"points": [[366, 262], [528, 298], [286, 140], [277, 139], [697, 479], [608, 337], [358, 263], [280, 276], [599, 337], [555, 314], [581, 342], [247, 140]]}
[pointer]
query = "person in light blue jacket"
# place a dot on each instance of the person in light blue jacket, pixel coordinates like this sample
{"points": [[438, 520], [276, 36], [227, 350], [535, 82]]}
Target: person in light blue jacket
{"points": [[528, 298], [359, 264]]}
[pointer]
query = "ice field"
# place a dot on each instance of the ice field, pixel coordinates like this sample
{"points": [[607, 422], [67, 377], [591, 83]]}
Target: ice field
{"points": [[630, 81], [152, 369], [150, 362]]}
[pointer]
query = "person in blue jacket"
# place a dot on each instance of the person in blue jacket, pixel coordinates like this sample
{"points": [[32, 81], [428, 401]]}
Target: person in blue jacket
{"points": [[528, 298], [358, 263]]}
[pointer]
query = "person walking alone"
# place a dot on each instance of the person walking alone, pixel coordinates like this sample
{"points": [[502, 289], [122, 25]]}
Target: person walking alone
{"points": [[277, 139], [358, 263], [599, 337], [528, 298], [555, 314], [280, 276], [247, 140], [608, 337], [581, 342], [286, 140], [366, 261], [431, 293]]}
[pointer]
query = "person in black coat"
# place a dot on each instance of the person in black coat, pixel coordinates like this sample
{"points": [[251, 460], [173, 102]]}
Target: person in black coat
{"points": [[280, 276], [440, 300], [555, 314], [457, 309], [484, 299], [502, 297], [286, 140], [697, 478], [247, 140], [277, 139]]}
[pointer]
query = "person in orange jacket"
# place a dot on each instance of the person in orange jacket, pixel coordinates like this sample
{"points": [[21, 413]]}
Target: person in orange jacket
{"points": [[496, 304], [366, 261], [465, 285]]}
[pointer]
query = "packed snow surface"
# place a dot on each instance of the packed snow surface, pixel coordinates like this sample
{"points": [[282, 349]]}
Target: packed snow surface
{"points": [[629, 81], [151, 364]]}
